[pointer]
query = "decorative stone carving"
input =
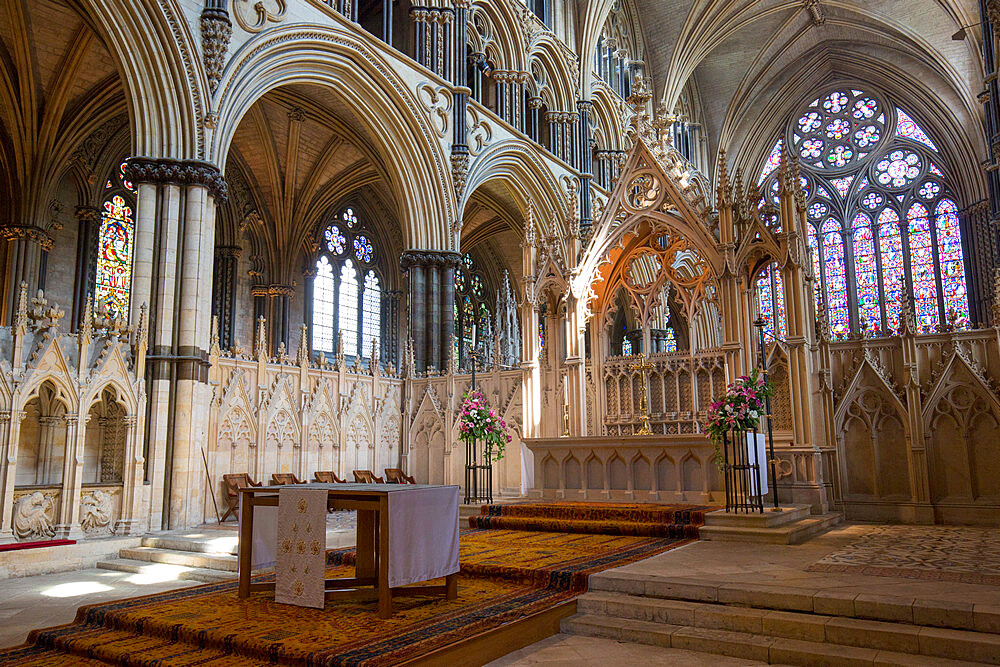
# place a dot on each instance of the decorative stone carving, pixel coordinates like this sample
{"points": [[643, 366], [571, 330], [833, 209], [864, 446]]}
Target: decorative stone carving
{"points": [[255, 15], [178, 172], [437, 102], [216, 29], [33, 517], [95, 511]]}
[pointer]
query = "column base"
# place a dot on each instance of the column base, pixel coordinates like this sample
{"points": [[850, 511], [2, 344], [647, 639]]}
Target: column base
{"points": [[125, 527], [70, 532], [7, 537]]}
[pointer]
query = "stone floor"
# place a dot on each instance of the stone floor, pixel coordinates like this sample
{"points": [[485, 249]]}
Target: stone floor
{"points": [[571, 651], [788, 565], [45, 600]]}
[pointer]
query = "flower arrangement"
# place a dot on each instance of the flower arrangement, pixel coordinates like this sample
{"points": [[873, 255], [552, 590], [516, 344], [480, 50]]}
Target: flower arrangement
{"points": [[478, 421], [740, 409]]}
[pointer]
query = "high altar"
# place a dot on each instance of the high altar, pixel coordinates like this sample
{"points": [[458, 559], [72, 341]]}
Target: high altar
{"points": [[664, 275]]}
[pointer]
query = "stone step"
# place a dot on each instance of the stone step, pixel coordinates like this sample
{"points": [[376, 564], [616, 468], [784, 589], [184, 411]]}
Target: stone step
{"points": [[745, 645], [906, 638], [226, 542], [831, 602], [165, 571], [769, 518], [204, 560], [792, 532]]}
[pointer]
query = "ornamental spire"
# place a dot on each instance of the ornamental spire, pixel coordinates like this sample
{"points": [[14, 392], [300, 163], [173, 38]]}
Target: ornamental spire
{"points": [[723, 191]]}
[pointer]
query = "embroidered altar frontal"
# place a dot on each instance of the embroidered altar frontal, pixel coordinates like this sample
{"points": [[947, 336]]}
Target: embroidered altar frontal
{"points": [[505, 575]]}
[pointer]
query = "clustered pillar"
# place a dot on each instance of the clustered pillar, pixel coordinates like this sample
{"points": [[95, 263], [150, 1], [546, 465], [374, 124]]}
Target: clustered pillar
{"points": [[224, 291], [432, 310], [174, 261]]}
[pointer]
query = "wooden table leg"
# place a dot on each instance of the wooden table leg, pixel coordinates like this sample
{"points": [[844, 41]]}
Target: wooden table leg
{"points": [[384, 592], [366, 546], [246, 544], [451, 582]]}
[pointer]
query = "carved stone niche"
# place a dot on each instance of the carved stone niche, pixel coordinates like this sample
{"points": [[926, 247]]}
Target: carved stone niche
{"points": [[34, 516], [97, 510]]}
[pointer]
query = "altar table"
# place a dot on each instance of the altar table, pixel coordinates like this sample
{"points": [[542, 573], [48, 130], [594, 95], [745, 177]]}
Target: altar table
{"points": [[406, 533]]}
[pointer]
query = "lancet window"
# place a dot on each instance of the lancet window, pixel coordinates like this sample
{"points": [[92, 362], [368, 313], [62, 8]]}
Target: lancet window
{"points": [[473, 314], [113, 273], [882, 220], [347, 289]]}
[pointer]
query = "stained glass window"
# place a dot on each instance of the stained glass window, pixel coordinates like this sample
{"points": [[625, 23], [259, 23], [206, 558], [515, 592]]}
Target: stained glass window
{"points": [[922, 268], [626, 343], [773, 160], [347, 308], [471, 307], [949, 242], [890, 246], [324, 294], [114, 257], [866, 274], [909, 129], [836, 278], [891, 229], [347, 291], [371, 312], [771, 302]]}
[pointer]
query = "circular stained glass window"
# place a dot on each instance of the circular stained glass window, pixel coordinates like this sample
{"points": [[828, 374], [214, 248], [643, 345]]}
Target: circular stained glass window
{"points": [[460, 280], [478, 287], [836, 131], [872, 200], [350, 219], [929, 190], [817, 210], [335, 241], [363, 249], [898, 169]]}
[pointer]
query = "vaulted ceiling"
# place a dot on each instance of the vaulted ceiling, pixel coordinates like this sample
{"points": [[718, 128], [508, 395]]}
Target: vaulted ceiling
{"points": [[752, 62]]}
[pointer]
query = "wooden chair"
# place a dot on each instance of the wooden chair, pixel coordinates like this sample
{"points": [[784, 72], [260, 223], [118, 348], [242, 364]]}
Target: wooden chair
{"points": [[367, 477], [327, 477], [283, 478], [396, 476], [235, 482]]}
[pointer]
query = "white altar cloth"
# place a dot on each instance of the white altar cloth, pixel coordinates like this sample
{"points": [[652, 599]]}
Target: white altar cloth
{"points": [[423, 532]]}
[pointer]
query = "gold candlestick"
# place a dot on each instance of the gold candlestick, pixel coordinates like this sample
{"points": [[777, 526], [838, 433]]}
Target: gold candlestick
{"points": [[565, 420], [642, 367]]}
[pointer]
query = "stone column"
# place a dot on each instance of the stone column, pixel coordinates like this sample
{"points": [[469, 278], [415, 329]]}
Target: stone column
{"points": [[89, 218], [260, 296], [586, 166], [23, 261], [10, 427], [129, 518], [432, 318], [175, 239], [68, 526], [279, 319], [224, 291]]}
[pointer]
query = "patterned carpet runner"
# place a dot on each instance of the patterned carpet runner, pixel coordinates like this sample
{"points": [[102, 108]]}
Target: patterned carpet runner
{"points": [[505, 575], [642, 520]]}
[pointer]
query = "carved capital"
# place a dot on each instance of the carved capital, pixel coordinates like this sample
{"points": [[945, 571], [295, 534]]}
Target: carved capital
{"points": [[429, 258], [280, 290], [178, 172]]}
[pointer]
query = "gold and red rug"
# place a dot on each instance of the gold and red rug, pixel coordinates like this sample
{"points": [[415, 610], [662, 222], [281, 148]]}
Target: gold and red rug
{"points": [[505, 575], [637, 519]]}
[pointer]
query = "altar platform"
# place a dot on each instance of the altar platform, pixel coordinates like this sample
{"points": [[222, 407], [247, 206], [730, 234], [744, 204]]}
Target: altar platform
{"points": [[642, 468]]}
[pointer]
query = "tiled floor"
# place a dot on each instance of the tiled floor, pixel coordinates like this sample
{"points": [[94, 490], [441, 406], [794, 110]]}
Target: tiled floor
{"points": [[571, 651], [943, 553]]}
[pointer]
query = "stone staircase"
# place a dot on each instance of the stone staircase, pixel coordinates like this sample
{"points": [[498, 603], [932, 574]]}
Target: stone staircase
{"points": [[785, 625], [208, 556], [794, 524]]}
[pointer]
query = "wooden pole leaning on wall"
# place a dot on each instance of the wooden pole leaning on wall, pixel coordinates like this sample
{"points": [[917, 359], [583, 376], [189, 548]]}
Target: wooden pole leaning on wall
{"points": [[208, 477]]}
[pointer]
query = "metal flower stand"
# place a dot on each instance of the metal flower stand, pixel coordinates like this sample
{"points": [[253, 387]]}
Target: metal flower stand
{"points": [[478, 460], [741, 466]]}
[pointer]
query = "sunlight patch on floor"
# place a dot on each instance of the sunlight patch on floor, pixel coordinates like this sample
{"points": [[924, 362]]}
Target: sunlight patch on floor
{"points": [[75, 588], [157, 573]]}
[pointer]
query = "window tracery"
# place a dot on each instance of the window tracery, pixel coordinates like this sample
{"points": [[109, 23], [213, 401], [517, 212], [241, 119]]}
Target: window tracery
{"points": [[473, 314], [882, 222], [113, 273], [347, 289]]}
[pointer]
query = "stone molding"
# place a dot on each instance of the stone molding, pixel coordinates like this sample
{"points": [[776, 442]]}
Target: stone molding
{"points": [[178, 172], [429, 258]]}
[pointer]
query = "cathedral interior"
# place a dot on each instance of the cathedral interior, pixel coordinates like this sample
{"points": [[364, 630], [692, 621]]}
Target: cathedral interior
{"points": [[286, 237]]}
